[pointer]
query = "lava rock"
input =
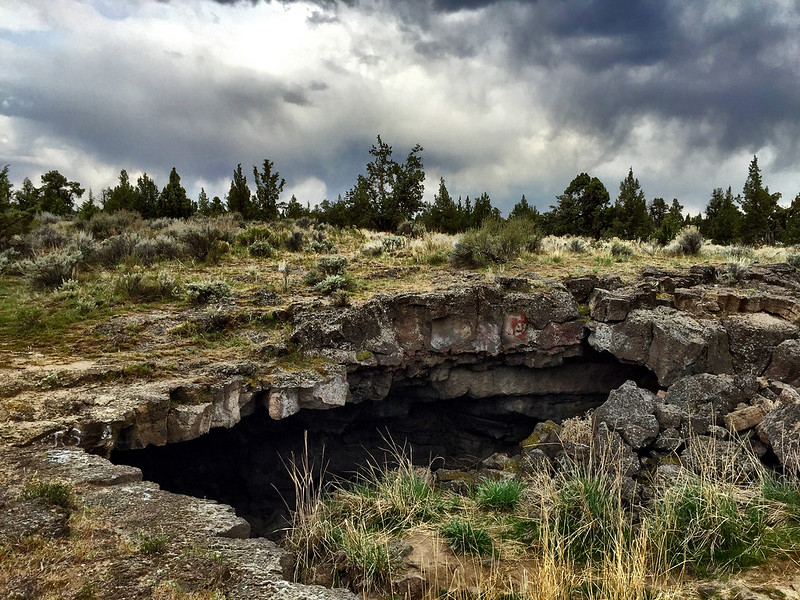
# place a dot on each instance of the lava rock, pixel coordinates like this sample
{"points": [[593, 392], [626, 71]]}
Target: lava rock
{"points": [[630, 411]]}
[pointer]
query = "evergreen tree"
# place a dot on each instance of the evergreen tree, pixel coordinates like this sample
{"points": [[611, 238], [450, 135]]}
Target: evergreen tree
{"points": [[658, 211], [295, 210], [524, 210], [27, 197], [57, 194], [239, 195], [203, 203], [581, 209], [759, 224], [122, 196], [442, 215], [269, 187], [146, 197], [671, 224], [88, 208], [791, 234], [483, 210], [5, 189], [723, 219], [217, 207], [406, 198], [173, 201], [632, 221]]}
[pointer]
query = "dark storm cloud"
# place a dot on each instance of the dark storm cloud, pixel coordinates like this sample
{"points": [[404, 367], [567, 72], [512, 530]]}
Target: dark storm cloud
{"points": [[613, 62]]}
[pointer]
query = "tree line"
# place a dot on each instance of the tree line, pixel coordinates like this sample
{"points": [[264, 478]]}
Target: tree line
{"points": [[390, 193]]}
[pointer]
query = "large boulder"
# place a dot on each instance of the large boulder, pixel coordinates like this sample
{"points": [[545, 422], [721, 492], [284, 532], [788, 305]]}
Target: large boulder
{"points": [[671, 343], [753, 338], [780, 429], [630, 411], [785, 363], [703, 401]]}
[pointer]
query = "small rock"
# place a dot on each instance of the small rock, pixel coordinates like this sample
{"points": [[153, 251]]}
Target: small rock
{"points": [[410, 587], [744, 418]]}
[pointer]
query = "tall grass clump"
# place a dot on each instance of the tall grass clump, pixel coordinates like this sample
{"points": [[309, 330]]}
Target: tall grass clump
{"points": [[496, 241], [357, 521], [707, 525], [502, 495], [464, 537]]}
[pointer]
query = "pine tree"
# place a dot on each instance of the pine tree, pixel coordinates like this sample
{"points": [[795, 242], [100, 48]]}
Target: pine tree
{"points": [[88, 208], [239, 195], [5, 189], [269, 187], [658, 211], [173, 201], [723, 219], [759, 224], [122, 196], [57, 194], [27, 197], [146, 194], [632, 219], [581, 209]]}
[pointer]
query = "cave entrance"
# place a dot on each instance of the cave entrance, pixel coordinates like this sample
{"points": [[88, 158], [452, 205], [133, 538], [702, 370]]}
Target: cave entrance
{"points": [[246, 466]]}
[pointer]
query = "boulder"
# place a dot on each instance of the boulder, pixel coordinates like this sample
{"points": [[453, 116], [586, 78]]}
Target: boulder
{"points": [[780, 429], [754, 337], [614, 305], [611, 454], [704, 400], [630, 411], [785, 362]]}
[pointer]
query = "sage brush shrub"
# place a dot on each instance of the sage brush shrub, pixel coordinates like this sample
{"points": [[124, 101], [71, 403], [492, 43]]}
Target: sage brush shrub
{"points": [[260, 249], [51, 270], [496, 241], [794, 259], [619, 250], [333, 283], [203, 292], [115, 249], [204, 241], [332, 265], [689, 241]]}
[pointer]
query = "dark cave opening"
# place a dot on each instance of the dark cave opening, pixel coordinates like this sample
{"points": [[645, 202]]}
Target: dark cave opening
{"points": [[246, 466]]}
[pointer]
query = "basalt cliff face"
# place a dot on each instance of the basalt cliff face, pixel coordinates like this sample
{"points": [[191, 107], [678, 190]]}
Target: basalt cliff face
{"points": [[666, 359]]}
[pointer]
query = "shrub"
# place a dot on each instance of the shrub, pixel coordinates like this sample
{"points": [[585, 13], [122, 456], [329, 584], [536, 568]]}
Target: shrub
{"points": [[332, 265], [9, 262], [51, 270], [115, 249], [46, 237], [496, 241], [261, 249], [689, 241], [340, 299], [411, 229], [576, 245], [144, 286], [203, 292], [619, 250], [150, 250], [205, 241], [391, 243], [57, 493], [794, 259], [503, 495], [255, 233], [333, 283], [463, 537], [103, 225], [294, 241]]}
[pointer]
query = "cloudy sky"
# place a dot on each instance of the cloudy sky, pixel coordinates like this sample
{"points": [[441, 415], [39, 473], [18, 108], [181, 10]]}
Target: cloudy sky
{"points": [[506, 97]]}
